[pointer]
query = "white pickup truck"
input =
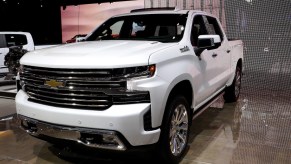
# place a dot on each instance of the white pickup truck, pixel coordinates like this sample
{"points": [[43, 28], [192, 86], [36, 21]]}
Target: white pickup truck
{"points": [[138, 79], [8, 39]]}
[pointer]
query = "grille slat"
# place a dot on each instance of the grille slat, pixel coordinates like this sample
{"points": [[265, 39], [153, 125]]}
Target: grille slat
{"points": [[65, 77], [78, 88], [33, 79], [67, 72], [68, 99], [95, 84], [75, 90], [71, 105], [43, 91]]}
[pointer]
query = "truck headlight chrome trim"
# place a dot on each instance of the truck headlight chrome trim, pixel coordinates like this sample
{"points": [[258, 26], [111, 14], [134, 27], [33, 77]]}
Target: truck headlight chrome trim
{"points": [[139, 71]]}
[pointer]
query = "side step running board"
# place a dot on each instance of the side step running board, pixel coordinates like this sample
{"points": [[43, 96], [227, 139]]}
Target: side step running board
{"points": [[207, 105]]}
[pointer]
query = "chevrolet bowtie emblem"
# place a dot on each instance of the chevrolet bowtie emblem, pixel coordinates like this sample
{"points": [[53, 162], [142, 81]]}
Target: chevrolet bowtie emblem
{"points": [[54, 83]]}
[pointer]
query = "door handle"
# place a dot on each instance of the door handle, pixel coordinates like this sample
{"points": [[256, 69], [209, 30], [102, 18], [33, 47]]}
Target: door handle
{"points": [[228, 51], [214, 55]]}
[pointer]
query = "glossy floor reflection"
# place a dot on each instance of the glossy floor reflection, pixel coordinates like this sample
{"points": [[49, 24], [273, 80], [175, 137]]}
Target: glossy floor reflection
{"points": [[256, 129]]}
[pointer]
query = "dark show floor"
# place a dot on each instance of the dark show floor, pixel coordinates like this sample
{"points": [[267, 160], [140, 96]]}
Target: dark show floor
{"points": [[255, 130]]}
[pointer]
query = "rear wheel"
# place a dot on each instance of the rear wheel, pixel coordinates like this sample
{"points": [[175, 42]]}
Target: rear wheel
{"points": [[233, 91], [175, 130]]}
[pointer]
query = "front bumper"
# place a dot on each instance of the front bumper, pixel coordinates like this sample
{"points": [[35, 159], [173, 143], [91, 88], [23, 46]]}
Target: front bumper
{"points": [[95, 138], [124, 119]]}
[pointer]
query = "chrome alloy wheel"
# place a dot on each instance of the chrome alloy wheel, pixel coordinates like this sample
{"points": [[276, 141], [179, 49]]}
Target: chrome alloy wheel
{"points": [[178, 130], [237, 83]]}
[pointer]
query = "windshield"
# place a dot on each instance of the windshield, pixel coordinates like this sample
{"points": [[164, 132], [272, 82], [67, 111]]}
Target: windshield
{"points": [[151, 27]]}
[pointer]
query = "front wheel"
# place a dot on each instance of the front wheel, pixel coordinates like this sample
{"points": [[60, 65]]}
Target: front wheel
{"points": [[175, 130], [233, 91]]}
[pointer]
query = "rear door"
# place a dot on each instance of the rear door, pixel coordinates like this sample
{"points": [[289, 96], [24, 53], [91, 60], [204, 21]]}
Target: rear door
{"points": [[205, 63], [221, 55]]}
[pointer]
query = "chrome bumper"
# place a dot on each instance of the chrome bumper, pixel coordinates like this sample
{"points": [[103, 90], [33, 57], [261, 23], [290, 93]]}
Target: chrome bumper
{"points": [[95, 138]]}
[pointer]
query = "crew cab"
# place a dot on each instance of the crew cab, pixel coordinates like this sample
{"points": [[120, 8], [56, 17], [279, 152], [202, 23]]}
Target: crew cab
{"points": [[138, 79]]}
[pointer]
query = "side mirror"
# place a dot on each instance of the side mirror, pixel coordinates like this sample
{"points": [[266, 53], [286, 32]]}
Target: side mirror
{"points": [[208, 41]]}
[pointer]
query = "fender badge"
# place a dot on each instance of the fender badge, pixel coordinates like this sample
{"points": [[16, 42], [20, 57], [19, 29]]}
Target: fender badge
{"points": [[184, 49], [54, 83]]}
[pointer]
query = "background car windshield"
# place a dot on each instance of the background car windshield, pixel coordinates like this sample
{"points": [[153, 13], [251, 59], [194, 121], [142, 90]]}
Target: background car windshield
{"points": [[152, 27]]}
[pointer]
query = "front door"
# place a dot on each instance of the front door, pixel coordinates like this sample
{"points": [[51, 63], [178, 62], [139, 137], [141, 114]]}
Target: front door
{"points": [[206, 64]]}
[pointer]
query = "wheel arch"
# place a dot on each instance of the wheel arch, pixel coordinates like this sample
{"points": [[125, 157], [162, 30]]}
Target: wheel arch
{"points": [[181, 86]]}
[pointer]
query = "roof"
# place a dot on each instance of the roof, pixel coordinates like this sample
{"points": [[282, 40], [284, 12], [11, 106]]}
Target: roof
{"points": [[170, 10], [13, 32]]}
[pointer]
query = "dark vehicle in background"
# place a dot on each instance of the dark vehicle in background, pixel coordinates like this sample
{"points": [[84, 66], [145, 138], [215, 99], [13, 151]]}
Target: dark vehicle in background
{"points": [[76, 37]]}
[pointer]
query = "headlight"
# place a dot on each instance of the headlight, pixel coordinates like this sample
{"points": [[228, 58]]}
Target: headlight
{"points": [[137, 72], [134, 73]]}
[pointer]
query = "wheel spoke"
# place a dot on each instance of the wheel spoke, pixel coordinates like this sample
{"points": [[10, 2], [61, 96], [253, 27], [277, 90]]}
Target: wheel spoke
{"points": [[176, 113], [183, 127], [181, 112], [184, 118], [173, 122], [179, 145], [172, 132], [182, 138], [183, 115], [238, 76], [172, 142], [237, 84], [175, 145]]}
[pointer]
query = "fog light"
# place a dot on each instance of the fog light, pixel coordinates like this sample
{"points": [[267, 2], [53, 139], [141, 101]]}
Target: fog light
{"points": [[113, 140], [109, 139]]}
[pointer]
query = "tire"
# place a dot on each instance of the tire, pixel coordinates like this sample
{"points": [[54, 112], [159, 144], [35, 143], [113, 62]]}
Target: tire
{"points": [[173, 141], [233, 91]]}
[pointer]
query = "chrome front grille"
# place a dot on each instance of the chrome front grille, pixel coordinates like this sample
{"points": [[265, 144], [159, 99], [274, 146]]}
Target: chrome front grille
{"points": [[78, 88]]}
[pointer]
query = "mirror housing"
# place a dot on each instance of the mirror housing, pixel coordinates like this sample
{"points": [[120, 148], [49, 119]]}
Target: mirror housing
{"points": [[208, 41]]}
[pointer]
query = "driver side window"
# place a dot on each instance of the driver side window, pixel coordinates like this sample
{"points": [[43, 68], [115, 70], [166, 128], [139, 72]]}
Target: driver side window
{"points": [[198, 28], [112, 32]]}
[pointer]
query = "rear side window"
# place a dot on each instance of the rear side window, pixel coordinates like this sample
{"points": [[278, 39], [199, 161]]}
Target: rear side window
{"points": [[15, 40], [213, 27]]}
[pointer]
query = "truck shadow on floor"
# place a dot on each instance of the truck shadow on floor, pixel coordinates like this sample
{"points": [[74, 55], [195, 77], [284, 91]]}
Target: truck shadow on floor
{"points": [[85, 155]]}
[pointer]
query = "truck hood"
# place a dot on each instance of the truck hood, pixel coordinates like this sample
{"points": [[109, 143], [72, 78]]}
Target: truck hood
{"points": [[95, 54]]}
